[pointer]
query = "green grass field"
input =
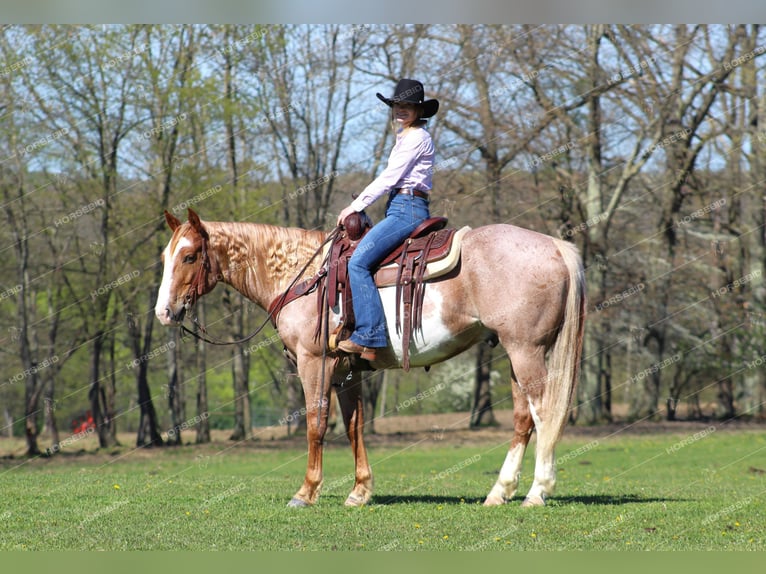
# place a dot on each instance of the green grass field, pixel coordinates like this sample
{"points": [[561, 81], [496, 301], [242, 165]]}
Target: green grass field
{"points": [[692, 490]]}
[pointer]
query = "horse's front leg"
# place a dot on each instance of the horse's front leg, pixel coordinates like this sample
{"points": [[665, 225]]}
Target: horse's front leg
{"points": [[352, 406], [317, 412]]}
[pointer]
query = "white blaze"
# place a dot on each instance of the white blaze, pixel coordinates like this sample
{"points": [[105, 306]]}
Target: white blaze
{"points": [[163, 296]]}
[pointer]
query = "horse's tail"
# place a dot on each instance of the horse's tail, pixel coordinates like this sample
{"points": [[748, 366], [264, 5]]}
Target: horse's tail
{"points": [[565, 355]]}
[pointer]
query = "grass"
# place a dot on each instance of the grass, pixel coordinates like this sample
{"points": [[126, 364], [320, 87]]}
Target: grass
{"points": [[679, 491]]}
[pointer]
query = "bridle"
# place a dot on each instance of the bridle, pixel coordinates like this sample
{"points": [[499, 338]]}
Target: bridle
{"points": [[197, 287]]}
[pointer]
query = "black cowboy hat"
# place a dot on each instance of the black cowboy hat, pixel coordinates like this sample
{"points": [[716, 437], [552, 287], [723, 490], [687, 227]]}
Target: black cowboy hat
{"points": [[411, 91]]}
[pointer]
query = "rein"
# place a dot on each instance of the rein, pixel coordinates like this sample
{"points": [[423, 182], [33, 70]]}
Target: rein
{"points": [[195, 290]]}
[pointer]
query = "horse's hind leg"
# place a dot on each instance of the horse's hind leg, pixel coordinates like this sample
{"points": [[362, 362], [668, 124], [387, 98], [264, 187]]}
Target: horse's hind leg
{"points": [[532, 377], [508, 480], [352, 406]]}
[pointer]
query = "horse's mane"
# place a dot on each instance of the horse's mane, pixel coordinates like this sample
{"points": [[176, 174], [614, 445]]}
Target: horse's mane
{"points": [[276, 252]]}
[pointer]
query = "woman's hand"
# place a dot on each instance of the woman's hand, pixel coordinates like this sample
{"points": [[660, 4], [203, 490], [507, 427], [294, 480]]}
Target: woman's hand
{"points": [[344, 214]]}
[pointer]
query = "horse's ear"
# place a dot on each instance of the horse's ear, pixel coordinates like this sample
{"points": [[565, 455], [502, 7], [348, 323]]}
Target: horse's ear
{"points": [[173, 221], [196, 223]]}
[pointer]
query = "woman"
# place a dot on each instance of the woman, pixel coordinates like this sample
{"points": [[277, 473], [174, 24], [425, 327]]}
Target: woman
{"points": [[407, 181]]}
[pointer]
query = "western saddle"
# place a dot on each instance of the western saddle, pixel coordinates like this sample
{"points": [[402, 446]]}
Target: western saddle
{"points": [[430, 251]]}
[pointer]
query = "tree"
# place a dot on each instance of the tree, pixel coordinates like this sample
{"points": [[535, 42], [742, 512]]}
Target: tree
{"points": [[92, 74], [162, 109]]}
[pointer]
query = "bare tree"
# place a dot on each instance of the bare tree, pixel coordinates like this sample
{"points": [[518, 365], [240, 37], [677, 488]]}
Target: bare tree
{"points": [[305, 105], [162, 110]]}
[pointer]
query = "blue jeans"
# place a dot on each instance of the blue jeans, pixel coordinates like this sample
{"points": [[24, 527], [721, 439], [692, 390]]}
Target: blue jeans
{"points": [[403, 214]]}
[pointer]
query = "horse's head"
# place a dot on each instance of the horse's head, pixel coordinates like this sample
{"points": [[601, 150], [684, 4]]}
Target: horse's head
{"points": [[190, 269]]}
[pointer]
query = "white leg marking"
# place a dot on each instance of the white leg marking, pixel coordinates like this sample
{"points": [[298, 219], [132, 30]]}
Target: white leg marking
{"points": [[545, 469], [508, 479]]}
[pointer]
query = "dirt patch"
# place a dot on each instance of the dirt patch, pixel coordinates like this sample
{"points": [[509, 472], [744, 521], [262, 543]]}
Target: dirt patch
{"points": [[446, 428]]}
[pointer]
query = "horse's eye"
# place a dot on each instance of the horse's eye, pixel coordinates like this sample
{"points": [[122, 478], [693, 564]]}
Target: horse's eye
{"points": [[190, 258]]}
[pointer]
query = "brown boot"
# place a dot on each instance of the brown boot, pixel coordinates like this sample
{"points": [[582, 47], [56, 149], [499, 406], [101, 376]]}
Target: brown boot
{"points": [[348, 346]]}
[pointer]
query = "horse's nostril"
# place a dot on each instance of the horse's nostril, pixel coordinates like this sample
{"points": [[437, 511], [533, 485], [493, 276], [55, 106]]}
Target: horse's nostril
{"points": [[175, 317]]}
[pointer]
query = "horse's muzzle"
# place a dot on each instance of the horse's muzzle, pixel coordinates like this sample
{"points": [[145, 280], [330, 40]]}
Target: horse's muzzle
{"points": [[171, 317]]}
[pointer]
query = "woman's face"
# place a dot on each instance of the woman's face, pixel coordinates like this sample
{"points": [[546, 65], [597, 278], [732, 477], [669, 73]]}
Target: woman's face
{"points": [[405, 113]]}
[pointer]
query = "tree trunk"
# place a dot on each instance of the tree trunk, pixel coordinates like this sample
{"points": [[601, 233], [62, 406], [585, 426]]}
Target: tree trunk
{"points": [[592, 385], [203, 427], [32, 411], [51, 428], [482, 413], [243, 427], [96, 395], [754, 229], [296, 403], [110, 398], [175, 394], [372, 384], [18, 226], [8, 422], [148, 434]]}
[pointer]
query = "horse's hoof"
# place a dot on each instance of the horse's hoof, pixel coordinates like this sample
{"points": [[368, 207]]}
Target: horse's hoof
{"points": [[530, 501], [298, 503], [354, 500], [495, 501]]}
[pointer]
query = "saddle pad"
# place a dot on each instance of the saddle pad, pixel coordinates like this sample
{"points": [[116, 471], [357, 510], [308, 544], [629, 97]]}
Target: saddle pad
{"points": [[386, 275]]}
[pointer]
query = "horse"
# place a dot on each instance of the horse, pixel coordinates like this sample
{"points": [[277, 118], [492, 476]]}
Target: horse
{"points": [[521, 287]]}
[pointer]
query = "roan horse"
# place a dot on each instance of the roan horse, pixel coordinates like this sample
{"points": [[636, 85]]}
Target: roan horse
{"points": [[522, 287]]}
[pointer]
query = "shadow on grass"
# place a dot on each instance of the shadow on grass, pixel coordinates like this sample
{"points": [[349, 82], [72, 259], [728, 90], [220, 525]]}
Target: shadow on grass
{"points": [[592, 499]]}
